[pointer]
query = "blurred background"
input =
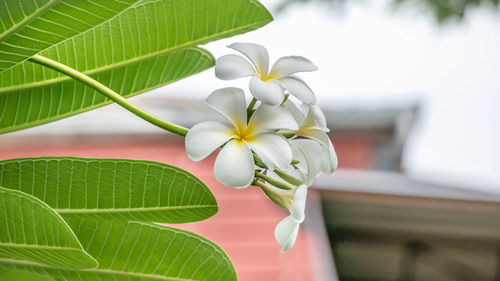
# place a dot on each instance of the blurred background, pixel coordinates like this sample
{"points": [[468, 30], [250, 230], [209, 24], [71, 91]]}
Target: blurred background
{"points": [[411, 91]]}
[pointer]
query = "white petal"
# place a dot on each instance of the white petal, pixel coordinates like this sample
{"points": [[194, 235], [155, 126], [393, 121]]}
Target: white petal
{"points": [[205, 137], [309, 122], [234, 165], [296, 112], [256, 53], [319, 117], [270, 92], [297, 210], [315, 134], [231, 67], [268, 118], [313, 154], [288, 65], [298, 174], [329, 161], [230, 103], [286, 233], [298, 155], [310, 129], [298, 88], [273, 149], [313, 167], [315, 116]]}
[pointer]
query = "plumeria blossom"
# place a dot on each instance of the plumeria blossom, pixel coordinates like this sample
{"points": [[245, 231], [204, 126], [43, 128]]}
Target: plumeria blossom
{"points": [[267, 86], [294, 201], [315, 155], [234, 165], [286, 231], [278, 146], [312, 122], [313, 158], [312, 125]]}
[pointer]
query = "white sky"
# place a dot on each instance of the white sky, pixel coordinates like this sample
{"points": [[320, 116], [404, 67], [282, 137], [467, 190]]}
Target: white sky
{"points": [[370, 55]]}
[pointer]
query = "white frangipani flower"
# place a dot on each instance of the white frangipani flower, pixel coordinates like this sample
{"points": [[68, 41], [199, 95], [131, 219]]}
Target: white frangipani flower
{"points": [[234, 165], [286, 231], [314, 158], [312, 122], [267, 86]]}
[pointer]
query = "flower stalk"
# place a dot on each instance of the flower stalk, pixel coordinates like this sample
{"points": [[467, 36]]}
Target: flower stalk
{"points": [[288, 178], [258, 161], [277, 183], [288, 134], [112, 95], [250, 109], [272, 195]]}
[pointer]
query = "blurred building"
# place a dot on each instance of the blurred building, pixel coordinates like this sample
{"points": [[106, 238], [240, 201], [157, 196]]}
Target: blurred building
{"points": [[369, 221], [385, 225]]}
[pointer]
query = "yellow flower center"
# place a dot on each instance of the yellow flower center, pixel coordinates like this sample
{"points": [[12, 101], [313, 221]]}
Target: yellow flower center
{"points": [[242, 132], [266, 77]]}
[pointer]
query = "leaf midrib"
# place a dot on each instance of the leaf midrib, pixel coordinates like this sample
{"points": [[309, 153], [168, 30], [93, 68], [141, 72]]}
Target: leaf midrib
{"points": [[27, 20], [140, 209], [125, 62], [46, 247], [95, 270]]}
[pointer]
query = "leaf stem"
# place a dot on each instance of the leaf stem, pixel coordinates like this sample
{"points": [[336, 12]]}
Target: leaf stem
{"points": [[114, 96]]}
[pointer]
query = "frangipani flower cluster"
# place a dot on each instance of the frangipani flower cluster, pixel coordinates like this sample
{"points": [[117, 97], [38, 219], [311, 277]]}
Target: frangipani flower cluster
{"points": [[270, 143]]}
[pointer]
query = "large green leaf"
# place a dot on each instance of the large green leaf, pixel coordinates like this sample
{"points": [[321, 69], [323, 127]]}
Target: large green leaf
{"points": [[111, 188], [140, 252], [147, 46], [32, 231], [30, 26], [59, 98], [14, 275]]}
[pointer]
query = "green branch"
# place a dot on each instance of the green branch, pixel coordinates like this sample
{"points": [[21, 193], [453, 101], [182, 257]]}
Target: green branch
{"points": [[112, 95]]}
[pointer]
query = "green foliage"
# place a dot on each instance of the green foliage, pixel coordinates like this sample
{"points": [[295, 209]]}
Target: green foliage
{"points": [[111, 188], [30, 26], [69, 218], [32, 231], [98, 198], [117, 189], [140, 251], [147, 46], [14, 275]]}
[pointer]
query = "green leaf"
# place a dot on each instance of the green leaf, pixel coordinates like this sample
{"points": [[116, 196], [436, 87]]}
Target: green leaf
{"points": [[32, 231], [59, 98], [111, 188], [30, 26], [140, 252], [14, 275], [147, 46]]}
